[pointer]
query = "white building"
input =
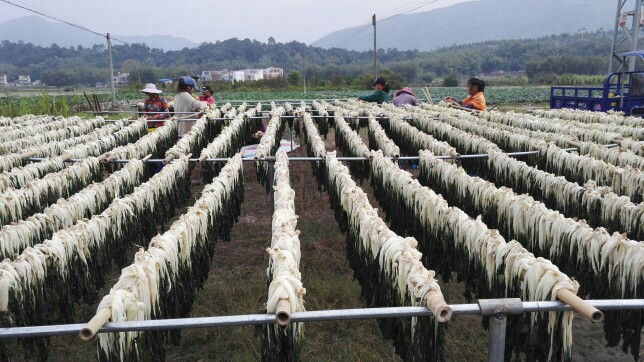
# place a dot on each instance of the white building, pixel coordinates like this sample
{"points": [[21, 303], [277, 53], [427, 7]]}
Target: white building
{"points": [[273, 73], [243, 75], [238, 75], [24, 79], [223, 75], [121, 78], [253, 74], [207, 74], [3, 79]]}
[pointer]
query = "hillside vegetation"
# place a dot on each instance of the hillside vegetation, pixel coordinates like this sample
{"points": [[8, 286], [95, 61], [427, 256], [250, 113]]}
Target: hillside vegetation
{"points": [[542, 58]]}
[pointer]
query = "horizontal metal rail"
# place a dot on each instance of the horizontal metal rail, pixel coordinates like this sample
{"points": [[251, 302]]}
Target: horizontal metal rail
{"points": [[309, 316], [318, 159], [146, 112]]}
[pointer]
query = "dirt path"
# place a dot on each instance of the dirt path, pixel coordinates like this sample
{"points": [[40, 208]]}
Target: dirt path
{"points": [[237, 282]]}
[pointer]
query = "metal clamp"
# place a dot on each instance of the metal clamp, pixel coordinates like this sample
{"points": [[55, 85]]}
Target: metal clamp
{"points": [[498, 309], [500, 306]]}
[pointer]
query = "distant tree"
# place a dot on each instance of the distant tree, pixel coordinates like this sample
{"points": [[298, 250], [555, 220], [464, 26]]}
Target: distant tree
{"points": [[337, 80], [294, 77], [271, 41], [313, 81], [427, 77], [451, 80], [394, 79]]}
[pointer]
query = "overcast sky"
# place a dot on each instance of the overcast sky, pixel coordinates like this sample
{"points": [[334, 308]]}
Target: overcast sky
{"points": [[209, 21]]}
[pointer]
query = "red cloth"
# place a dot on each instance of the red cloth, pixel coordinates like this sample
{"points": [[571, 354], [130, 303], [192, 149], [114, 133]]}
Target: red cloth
{"points": [[209, 100]]}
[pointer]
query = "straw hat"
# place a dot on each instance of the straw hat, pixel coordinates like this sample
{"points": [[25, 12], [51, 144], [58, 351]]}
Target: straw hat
{"points": [[406, 90], [151, 88]]}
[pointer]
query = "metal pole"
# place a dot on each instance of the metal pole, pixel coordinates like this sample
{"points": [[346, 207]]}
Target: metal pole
{"points": [[637, 15], [316, 159], [109, 52], [620, 5], [496, 338], [375, 52], [309, 316], [304, 73]]}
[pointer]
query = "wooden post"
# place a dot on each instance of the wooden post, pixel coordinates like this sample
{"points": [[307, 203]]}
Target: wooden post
{"points": [[88, 102]]}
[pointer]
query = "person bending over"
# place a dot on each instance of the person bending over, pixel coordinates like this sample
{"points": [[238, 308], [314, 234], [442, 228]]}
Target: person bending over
{"points": [[155, 107], [380, 90]]}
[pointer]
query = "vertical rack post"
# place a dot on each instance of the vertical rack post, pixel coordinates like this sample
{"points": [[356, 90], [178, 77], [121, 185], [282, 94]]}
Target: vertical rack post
{"points": [[498, 310], [109, 53], [375, 50], [496, 338]]}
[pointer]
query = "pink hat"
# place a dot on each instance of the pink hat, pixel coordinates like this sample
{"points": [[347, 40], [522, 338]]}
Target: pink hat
{"points": [[406, 90], [150, 88]]}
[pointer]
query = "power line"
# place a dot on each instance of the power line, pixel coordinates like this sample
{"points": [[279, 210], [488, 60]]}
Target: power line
{"points": [[41, 13], [390, 11], [361, 29], [410, 10], [31, 6], [357, 34]]}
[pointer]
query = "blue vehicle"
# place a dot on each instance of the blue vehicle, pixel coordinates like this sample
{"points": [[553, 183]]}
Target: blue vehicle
{"points": [[621, 91]]}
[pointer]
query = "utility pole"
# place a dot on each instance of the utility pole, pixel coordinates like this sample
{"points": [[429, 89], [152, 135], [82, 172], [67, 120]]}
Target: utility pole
{"points": [[375, 52], [109, 52], [304, 72]]}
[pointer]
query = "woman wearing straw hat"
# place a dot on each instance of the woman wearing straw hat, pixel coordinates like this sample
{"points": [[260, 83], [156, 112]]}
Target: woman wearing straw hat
{"points": [[155, 107], [405, 96]]}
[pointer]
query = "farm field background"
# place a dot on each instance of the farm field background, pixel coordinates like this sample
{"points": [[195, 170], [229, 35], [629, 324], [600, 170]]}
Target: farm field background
{"points": [[58, 102]]}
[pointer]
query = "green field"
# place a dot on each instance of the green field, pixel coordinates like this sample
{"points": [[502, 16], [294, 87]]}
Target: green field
{"points": [[56, 103]]}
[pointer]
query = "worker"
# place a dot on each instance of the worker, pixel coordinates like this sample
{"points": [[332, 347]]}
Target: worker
{"points": [[154, 107], [207, 95], [405, 96], [379, 95], [260, 130], [475, 98], [185, 102]]}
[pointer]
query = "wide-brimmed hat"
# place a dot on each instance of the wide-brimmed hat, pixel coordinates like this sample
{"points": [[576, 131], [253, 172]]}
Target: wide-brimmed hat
{"points": [[406, 90], [151, 88]]}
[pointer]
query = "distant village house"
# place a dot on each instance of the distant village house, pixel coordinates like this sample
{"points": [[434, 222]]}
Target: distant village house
{"points": [[24, 79], [121, 79], [3, 79], [273, 73], [242, 75], [496, 74]]}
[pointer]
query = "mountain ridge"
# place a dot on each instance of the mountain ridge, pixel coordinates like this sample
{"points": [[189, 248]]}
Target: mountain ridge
{"points": [[38, 31], [449, 26]]}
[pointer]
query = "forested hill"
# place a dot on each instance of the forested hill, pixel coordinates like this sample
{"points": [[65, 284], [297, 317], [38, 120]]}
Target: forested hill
{"points": [[580, 53], [476, 21]]}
